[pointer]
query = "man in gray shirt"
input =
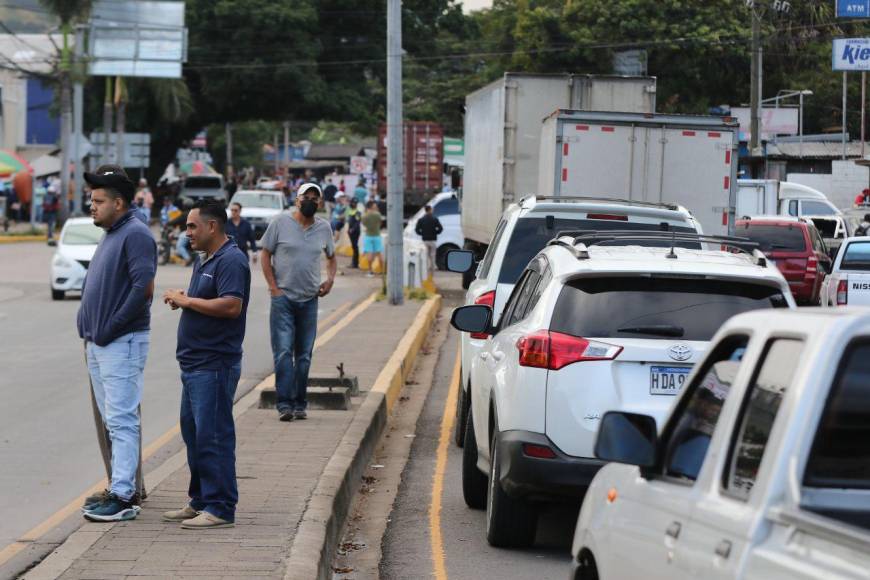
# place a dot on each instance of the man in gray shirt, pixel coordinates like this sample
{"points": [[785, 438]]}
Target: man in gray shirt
{"points": [[292, 246]]}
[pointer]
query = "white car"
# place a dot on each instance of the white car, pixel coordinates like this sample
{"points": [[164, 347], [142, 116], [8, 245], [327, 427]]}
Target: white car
{"points": [[591, 328], [759, 472], [267, 183], [525, 228], [445, 206], [259, 207], [849, 280], [75, 249]]}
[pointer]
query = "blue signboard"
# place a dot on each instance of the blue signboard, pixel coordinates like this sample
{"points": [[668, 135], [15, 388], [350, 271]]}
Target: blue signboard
{"points": [[853, 8]]}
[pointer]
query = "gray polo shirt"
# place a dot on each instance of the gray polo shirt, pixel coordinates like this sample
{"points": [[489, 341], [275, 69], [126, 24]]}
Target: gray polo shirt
{"points": [[296, 254]]}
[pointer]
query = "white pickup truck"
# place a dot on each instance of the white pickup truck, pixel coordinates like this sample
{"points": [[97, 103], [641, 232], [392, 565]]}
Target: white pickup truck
{"points": [[762, 469], [849, 281]]}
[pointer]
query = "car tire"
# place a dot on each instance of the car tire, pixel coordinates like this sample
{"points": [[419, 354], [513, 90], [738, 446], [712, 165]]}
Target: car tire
{"points": [[461, 416], [586, 568], [474, 483], [57, 294], [510, 522]]}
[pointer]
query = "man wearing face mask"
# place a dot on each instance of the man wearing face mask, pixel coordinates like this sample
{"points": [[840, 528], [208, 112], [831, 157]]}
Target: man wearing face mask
{"points": [[291, 251]]}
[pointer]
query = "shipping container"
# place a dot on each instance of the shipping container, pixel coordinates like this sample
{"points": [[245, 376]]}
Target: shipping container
{"points": [[424, 159], [503, 130]]}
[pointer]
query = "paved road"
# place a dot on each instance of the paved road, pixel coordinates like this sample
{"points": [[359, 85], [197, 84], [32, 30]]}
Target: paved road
{"points": [[48, 449], [407, 552]]}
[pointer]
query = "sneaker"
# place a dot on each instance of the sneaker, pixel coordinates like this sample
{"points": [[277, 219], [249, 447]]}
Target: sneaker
{"points": [[94, 500], [112, 509], [370, 275], [185, 513], [285, 416], [300, 415], [206, 521]]}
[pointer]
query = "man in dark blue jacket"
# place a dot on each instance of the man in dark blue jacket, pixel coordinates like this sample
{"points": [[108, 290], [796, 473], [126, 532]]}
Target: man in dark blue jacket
{"points": [[114, 320], [240, 231]]}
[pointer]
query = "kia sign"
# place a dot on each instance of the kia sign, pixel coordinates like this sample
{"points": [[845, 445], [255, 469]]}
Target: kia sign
{"points": [[853, 8], [851, 54]]}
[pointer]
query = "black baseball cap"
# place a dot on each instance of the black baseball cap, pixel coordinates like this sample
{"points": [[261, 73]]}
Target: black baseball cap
{"points": [[112, 176]]}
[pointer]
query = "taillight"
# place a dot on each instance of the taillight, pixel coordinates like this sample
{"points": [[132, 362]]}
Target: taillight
{"points": [[538, 451], [812, 265], [487, 299], [554, 350], [607, 216], [842, 293]]}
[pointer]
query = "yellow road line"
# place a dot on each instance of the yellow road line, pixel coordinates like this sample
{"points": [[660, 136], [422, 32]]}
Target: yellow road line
{"points": [[437, 541], [73, 507]]}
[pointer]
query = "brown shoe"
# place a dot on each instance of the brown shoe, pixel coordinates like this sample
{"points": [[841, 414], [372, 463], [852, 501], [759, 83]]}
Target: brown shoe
{"points": [[184, 513], [206, 521]]}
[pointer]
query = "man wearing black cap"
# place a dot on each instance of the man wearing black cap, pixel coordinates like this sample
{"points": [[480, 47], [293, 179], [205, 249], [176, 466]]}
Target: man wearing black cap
{"points": [[114, 320]]}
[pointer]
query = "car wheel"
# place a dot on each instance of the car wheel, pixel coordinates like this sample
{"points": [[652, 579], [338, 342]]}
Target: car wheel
{"points": [[57, 294], [510, 523], [441, 255], [473, 480], [586, 568], [461, 416]]}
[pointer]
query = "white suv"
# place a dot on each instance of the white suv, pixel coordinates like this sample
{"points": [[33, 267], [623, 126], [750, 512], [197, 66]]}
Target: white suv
{"points": [[590, 328], [525, 228]]}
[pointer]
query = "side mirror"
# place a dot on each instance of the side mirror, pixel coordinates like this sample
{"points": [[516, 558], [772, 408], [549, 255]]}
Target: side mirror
{"points": [[460, 261], [52, 243], [473, 318], [627, 438]]}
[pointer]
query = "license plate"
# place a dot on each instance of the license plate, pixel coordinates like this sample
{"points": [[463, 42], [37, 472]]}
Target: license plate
{"points": [[667, 380]]}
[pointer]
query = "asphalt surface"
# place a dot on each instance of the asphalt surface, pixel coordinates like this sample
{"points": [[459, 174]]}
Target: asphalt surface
{"points": [[48, 448], [407, 552]]}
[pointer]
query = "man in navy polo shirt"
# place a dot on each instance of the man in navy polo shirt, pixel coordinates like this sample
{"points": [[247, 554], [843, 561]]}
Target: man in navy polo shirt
{"points": [[210, 335]]}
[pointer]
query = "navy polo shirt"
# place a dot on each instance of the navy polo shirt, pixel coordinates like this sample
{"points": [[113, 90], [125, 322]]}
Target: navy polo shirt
{"points": [[207, 342]]}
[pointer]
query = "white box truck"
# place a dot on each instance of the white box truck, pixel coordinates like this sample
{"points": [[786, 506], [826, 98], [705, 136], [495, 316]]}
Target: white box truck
{"points": [[771, 197], [681, 159], [503, 131]]}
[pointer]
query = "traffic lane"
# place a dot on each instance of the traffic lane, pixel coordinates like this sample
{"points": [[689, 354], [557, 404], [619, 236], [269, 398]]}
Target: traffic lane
{"points": [[407, 545], [47, 445]]}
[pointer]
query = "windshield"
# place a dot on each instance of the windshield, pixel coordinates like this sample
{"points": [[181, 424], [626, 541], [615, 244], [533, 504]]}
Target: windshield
{"points": [[656, 308], [857, 256], [264, 200], [771, 238], [82, 235], [530, 235]]}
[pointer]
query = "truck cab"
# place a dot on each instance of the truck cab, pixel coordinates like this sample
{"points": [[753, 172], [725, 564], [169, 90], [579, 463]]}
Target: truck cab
{"points": [[762, 469]]}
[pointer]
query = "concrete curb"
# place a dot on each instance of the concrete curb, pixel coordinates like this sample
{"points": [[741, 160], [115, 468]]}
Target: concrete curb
{"points": [[21, 239], [320, 529]]}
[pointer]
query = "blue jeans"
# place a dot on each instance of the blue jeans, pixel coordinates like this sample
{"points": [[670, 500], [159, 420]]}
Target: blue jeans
{"points": [[293, 326], [117, 377], [181, 247], [209, 433]]}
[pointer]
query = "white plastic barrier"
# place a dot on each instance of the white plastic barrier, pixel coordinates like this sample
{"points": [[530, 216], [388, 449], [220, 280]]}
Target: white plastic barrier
{"points": [[415, 264]]}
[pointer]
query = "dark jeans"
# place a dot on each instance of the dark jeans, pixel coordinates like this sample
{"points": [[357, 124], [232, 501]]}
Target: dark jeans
{"points": [[209, 432], [354, 244], [293, 326], [50, 218]]}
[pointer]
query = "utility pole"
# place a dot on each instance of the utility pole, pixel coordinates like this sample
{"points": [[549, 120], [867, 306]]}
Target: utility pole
{"points": [[845, 86], [286, 147], [275, 145], [229, 129], [107, 122], [395, 153], [65, 126], [120, 119], [755, 83], [78, 129], [863, 108]]}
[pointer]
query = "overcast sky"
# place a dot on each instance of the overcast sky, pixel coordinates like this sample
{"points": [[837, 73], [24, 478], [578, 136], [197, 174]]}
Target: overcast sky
{"points": [[469, 5]]}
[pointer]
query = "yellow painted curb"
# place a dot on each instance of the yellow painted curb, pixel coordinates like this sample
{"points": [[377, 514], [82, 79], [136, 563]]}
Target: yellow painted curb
{"points": [[21, 239]]}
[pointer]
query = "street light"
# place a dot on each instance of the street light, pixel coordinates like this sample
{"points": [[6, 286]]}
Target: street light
{"points": [[788, 94]]}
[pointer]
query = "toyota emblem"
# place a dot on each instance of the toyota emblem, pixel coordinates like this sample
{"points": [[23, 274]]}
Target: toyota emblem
{"points": [[680, 352]]}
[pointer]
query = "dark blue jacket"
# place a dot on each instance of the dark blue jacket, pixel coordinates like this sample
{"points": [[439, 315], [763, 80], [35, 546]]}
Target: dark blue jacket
{"points": [[114, 301], [242, 234]]}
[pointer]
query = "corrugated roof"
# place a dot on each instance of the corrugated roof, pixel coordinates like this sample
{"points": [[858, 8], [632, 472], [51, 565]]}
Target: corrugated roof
{"points": [[318, 152], [815, 150]]}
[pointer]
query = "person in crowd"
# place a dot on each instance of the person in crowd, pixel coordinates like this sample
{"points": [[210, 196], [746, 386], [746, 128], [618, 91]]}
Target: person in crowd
{"points": [[339, 214], [428, 228], [241, 231], [141, 212], [147, 195], [373, 246], [863, 198], [167, 211], [329, 192], [50, 207], [182, 245], [361, 193], [114, 321], [210, 335], [291, 252], [353, 217]]}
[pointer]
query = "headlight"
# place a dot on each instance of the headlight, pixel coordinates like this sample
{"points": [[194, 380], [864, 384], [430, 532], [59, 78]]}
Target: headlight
{"points": [[61, 262]]}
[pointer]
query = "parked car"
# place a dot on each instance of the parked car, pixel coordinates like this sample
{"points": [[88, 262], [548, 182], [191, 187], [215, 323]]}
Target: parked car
{"points": [[589, 328], [761, 470], [834, 229], [525, 228], [849, 281], [797, 249], [76, 246], [268, 183], [259, 207], [445, 206]]}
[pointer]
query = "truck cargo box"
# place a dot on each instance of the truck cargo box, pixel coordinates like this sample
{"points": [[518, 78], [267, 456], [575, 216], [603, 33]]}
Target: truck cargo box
{"points": [[424, 157]]}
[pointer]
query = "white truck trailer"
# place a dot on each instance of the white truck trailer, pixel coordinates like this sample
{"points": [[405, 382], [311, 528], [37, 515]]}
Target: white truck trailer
{"points": [[679, 159], [503, 131]]}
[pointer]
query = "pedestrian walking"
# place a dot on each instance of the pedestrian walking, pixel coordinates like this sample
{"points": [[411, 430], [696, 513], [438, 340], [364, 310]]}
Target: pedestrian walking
{"points": [[361, 193], [353, 217], [329, 197], [373, 246], [292, 247], [210, 335], [339, 215], [114, 321], [168, 211], [428, 228], [241, 231], [50, 207]]}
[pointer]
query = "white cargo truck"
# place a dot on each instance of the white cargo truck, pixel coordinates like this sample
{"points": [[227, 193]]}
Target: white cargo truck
{"points": [[503, 131], [680, 159], [757, 197]]}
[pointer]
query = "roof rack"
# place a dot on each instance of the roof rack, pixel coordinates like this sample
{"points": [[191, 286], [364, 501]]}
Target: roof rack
{"points": [[583, 240], [657, 205]]}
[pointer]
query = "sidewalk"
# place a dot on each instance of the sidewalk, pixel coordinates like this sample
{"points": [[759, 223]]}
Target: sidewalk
{"points": [[279, 466]]}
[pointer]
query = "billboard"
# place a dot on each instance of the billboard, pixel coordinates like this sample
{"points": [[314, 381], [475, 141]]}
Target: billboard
{"points": [[850, 54], [774, 121], [853, 8]]}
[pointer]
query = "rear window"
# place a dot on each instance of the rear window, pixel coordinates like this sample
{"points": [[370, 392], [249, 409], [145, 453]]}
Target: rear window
{"points": [[663, 308], [449, 206], [771, 238], [857, 256], [530, 235], [203, 182]]}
